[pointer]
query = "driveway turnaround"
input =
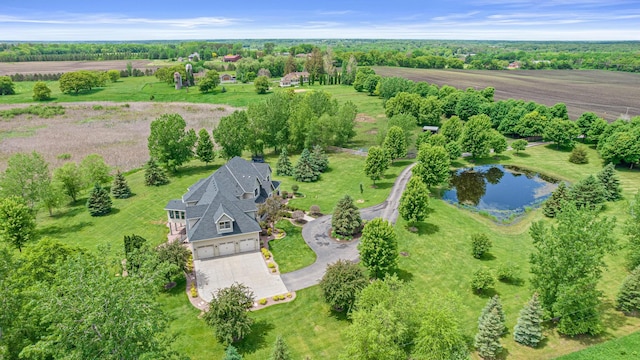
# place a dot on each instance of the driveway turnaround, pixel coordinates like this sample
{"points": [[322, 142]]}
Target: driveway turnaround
{"points": [[328, 251], [249, 269]]}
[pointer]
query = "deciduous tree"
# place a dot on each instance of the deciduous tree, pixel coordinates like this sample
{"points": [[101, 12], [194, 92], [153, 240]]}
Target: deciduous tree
{"points": [[395, 143], [70, 176], [433, 165], [480, 244], [414, 203], [632, 229], [376, 164], [261, 83], [41, 91], [26, 176], [209, 82], [476, 136], [519, 145], [6, 86], [231, 134], [169, 142], [17, 221], [452, 129], [565, 275], [561, 132], [94, 169], [341, 284], [378, 248], [482, 280], [227, 313]]}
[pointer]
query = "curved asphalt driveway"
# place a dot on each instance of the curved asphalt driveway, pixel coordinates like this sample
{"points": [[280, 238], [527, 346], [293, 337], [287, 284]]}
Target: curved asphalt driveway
{"points": [[316, 235]]}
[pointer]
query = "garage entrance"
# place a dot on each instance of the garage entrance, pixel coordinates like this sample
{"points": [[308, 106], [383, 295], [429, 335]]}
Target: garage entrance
{"points": [[248, 245], [228, 248], [205, 252]]}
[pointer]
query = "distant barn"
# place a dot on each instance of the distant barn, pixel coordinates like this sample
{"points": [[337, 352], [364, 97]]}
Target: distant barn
{"points": [[433, 129]]}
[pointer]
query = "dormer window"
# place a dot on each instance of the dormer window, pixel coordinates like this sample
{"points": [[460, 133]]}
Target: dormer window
{"points": [[224, 225]]}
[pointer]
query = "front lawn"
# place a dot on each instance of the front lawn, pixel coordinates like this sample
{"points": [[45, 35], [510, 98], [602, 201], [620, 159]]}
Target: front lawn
{"points": [[291, 252]]}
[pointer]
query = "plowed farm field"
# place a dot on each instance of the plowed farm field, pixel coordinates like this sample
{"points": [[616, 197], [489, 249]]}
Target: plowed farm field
{"points": [[54, 67], [609, 94]]}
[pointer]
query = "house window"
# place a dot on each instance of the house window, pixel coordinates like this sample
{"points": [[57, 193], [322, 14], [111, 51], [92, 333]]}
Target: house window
{"points": [[224, 225], [182, 215], [171, 214]]}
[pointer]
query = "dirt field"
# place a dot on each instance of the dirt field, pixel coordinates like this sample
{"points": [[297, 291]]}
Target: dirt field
{"points": [[606, 93], [116, 132], [54, 67]]}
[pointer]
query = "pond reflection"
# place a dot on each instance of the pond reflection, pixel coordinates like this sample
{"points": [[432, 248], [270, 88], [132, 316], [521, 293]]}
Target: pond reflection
{"points": [[499, 190]]}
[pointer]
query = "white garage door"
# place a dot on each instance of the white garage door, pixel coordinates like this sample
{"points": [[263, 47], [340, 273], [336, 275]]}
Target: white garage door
{"points": [[227, 248], [247, 245], [205, 252]]}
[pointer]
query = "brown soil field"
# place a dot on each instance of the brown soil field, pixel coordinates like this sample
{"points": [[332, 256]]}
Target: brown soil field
{"points": [[54, 67], [606, 93], [116, 131]]}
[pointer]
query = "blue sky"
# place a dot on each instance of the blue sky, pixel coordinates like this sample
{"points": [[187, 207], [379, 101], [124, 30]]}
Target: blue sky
{"points": [[52, 20]]}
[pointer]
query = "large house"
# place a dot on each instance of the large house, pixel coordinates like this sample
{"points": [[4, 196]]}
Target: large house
{"points": [[231, 58], [294, 78], [219, 214]]}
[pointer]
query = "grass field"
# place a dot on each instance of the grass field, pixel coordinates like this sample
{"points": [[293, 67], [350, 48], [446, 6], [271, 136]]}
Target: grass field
{"points": [[291, 252], [624, 348], [606, 93]]}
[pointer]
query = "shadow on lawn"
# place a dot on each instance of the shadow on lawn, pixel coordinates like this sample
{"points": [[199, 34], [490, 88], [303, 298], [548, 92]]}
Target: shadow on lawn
{"points": [[256, 338], [63, 229], [191, 170], [427, 228]]}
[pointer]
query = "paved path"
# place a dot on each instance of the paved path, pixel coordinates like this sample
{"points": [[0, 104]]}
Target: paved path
{"points": [[316, 235]]}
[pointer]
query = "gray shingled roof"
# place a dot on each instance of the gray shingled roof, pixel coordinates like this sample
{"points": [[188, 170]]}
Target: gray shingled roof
{"points": [[220, 193]]}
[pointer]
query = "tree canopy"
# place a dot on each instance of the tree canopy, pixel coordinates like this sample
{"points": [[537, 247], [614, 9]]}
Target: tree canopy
{"points": [[169, 142]]}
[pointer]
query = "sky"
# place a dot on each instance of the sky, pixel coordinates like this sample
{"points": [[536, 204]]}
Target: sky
{"points": [[56, 20]]}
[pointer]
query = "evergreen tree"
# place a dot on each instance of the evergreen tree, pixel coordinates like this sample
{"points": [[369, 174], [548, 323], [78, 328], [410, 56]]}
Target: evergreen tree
{"points": [[588, 192], [319, 160], [528, 330], [395, 143], [304, 170], [284, 167], [628, 299], [494, 304], [487, 340], [232, 353], [280, 350], [346, 220], [610, 182], [553, 205], [120, 189], [414, 203], [154, 175], [99, 202], [579, 155], [204, 148]]}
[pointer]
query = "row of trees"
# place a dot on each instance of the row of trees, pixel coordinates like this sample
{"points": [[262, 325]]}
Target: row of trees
{"points": [[287, 119]]}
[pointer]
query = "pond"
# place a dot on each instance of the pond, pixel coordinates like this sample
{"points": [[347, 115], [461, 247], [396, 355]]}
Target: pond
{"points": [[501, 191]]}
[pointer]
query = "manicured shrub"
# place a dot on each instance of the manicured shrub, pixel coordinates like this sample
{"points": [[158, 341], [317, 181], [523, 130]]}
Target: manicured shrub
{"points": [[262, 301], [480, 244], [271, 265], [193, 290], [482, 280], [285, 194], [579, 155], [314, 210]]}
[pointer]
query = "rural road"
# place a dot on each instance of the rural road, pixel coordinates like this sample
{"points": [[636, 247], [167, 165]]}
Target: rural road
{"points": [[316, 235]]}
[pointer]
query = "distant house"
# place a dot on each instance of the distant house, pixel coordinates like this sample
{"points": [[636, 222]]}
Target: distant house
{"points": [[303, 56], [293, 79], [194, 57], [180, 59], [514, 65], [219, 214], [433, 129], [231, 58], [226, 78]]}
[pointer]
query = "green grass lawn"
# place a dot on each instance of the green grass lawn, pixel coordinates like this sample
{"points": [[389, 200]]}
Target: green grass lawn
{"points": [[624, 348], [291, 252]]}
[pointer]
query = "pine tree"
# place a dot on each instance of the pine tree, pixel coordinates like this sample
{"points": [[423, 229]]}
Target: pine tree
{"points": [[232, 354], [304, 170], [154, 175], [414, 203], [280, 350], [528, 330], [346, 220], [553, 205], [99, 202], [204, 149], [120, 189], [319, 160], [283, 167], [588, 192], [628, 299], [487, 340], [494, 304], [610, 182]]}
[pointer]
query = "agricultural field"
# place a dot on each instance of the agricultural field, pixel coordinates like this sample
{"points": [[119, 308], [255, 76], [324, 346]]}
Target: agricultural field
{"points": [[54, 67], [609, 94]]}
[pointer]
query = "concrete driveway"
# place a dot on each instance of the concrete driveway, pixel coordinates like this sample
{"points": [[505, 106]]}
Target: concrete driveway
{"points": [[249, 269]]}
